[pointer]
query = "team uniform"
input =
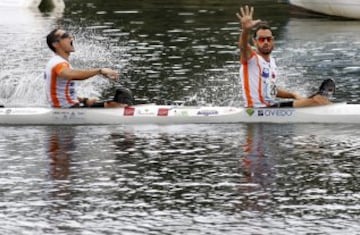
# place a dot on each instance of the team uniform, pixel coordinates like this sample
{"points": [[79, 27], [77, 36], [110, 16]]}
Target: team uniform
{"points": [[60, 92], [258, 78]]}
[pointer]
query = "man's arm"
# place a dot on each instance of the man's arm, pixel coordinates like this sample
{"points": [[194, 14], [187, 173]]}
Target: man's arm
{"points": [[247, 23], [73, 74]]}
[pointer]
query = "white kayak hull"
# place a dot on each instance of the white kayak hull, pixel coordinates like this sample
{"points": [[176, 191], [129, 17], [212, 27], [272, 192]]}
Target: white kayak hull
{"points": [[31, 3], [342, 8], [168, 115]]}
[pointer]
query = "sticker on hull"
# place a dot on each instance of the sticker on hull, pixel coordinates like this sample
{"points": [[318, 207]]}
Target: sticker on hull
{"points": [[275, 112], [129, 111], [207, 112], [163, 112]]}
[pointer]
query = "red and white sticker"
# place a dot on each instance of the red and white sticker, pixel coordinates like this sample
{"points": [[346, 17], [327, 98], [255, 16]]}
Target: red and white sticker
{"points": [[129, 111], [163, 112]]}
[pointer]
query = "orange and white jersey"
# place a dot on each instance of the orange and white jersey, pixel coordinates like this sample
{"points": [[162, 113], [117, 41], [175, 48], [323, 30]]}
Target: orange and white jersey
{"points": [[258, 78], [60, 92]]}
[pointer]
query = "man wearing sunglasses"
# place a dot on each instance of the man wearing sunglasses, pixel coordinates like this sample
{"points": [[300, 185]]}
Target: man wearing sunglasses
{"points": [[258, 68], [60, 76]]}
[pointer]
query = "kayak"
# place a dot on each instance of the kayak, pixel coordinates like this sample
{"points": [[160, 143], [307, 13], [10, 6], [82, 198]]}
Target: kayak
{"points": [[31, 3], [168, 115], [342, 8]]}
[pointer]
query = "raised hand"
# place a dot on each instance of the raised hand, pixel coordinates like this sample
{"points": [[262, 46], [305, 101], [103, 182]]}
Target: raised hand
{"points": [[246, 18]]}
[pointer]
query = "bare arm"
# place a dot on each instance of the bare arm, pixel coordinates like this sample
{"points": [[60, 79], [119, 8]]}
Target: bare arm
{"points": [[247, 23], [73, 74], [288, 95]]}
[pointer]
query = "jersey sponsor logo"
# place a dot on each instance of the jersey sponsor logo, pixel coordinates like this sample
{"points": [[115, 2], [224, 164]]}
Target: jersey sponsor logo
{"points": [[163, 112], [129, 111], [265, 73]]}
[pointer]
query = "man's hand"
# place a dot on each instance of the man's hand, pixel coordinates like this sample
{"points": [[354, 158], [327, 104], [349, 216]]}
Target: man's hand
{"points": [[246, 18], [247, 23], [109, 73]]}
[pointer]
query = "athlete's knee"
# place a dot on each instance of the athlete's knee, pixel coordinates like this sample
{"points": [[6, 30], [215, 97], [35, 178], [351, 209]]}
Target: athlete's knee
{"points": [[123, 96], [320, 100]]}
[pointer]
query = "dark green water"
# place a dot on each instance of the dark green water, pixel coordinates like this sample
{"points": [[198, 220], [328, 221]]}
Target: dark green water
{"points": [[184, 179]]}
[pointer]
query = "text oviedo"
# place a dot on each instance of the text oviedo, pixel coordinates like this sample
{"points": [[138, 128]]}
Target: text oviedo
{"points": [[275, 112]]}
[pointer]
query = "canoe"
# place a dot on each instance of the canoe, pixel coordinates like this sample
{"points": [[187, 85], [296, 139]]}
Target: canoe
{"points": [[341, 8], [168, 115], [20, 3], [31, 3]]}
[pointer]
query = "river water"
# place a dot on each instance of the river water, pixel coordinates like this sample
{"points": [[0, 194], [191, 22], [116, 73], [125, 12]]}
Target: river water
{"points": [[178, 179]]}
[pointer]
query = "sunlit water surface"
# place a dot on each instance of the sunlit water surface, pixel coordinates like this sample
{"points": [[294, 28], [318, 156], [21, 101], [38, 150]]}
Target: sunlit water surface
{"points": [[185, 179]]}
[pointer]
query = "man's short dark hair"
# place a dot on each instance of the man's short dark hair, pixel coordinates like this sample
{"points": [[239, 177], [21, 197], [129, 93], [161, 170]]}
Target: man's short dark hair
{"points": [[51, 38], [261, 26]]}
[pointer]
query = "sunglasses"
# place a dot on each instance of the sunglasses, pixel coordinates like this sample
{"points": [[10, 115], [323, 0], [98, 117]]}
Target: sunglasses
{"points": [[64, 35], [262, 39]]}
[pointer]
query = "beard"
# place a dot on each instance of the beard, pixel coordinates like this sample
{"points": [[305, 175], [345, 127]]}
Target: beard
{"points": [[266, 50]]}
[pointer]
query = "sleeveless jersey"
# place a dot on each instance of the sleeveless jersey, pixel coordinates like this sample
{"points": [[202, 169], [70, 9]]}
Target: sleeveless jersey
{"points": [[258, 78], [60, 92]]}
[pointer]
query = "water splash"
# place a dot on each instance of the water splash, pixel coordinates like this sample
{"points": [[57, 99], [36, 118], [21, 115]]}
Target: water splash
{"points": [[93, 51], [22, 77], [221, 87], [29, 89]]}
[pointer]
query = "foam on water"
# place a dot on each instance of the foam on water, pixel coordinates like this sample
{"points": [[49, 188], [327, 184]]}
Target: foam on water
{"points": [[26, 54]]}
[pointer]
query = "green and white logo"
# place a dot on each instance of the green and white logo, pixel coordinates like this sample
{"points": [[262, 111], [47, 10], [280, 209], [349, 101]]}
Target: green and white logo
{"points": [[250, 112]]}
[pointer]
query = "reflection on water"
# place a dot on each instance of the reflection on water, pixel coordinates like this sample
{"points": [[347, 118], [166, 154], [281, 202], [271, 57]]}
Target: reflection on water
{"points": [[60, 146], [202, 179], [256, 163]]}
